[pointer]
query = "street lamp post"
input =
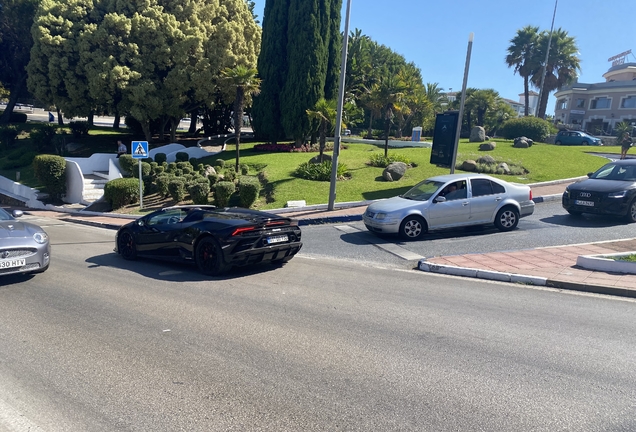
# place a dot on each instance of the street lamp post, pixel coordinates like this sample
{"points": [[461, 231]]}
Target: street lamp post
{"points": [[545, 64], [461, 104], [336, 139]]}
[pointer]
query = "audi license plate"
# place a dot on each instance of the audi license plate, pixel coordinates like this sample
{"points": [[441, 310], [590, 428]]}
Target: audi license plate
{"points": [[276, 239], [584, 203], [10, 263]]}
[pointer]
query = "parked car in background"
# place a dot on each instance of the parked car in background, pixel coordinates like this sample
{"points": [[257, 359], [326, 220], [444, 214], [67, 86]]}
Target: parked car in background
{"points": [[24, 247], [611, 190], [565, 137], [214, 239], [450, 201]]}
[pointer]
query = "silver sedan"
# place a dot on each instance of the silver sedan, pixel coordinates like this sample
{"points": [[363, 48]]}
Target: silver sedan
{"points": [[24, 247], [450, 201]]}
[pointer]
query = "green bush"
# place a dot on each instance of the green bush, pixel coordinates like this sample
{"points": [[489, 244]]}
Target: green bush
{"points": [[160, 158], [199, 192], [319, 172], [229, 174], [161, 182], [122, 191], [194, 161], [146, 169], [50, 170], [531, 127], [213, 178], [79, 128], [172, 167], [177, 189], [249, 188], [8, 136], [222, 193], [219, 163], [128, 164], [181, 157], [244, 169], [24, 160], [379, 160], [43, 137]]}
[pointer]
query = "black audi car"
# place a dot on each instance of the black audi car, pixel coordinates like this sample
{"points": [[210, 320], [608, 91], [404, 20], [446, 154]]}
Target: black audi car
{"points": [[215, 239], [611, 190]]}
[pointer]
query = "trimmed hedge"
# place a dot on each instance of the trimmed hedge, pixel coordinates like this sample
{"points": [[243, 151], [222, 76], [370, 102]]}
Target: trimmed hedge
{"points": [[531, 127], [50, 170], [177, 188], [249, 188], [199, 191], [222, 193], [122, 191]]}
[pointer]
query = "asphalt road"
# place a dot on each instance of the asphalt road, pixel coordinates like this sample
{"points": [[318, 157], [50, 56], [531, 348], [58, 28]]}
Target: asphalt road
{"points": [[100, 344]]}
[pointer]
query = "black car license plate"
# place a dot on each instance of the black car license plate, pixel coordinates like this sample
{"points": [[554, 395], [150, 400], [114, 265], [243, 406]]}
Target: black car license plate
{"points": [[277, 239], [584, 203]]}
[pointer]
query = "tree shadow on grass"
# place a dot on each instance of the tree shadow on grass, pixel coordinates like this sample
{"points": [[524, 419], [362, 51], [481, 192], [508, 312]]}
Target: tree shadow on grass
{"points": [[386, 193]]}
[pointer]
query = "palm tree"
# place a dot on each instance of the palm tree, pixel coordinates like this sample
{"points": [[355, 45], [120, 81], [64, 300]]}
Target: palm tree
{"points": [[562, 68], [435, 95], [390, 92], [247, 84], [480, 101], [521, 56], [325, 112]]}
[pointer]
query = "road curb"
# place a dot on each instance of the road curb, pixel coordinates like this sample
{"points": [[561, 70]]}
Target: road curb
{"points": [[547, 198], [481, 274], [594, 289]]}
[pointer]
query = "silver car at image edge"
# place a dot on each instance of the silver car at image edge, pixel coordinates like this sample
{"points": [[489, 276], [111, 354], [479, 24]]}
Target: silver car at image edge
{"points": [[450, 201], [24, 247]]}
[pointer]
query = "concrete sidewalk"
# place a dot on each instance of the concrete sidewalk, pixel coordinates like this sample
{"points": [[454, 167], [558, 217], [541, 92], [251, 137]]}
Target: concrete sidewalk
{"points": [[552, 266]]}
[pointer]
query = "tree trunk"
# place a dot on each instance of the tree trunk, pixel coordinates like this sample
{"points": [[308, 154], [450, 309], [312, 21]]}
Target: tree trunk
{"points": [[238, 122], [116, 121], [387, 128], [13, 98], [145, 126], [91, 119], [194, 114], [526, 95], [174, 123], [60, 117], [323, 140], [370, 128]]}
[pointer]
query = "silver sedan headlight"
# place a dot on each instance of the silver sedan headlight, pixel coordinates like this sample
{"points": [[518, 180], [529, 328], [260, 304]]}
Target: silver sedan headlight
{"points": [[380, 216], [41, 237]]}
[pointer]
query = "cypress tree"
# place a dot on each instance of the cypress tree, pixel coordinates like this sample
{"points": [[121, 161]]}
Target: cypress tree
{"points": [[298, 63], [272, 69]]}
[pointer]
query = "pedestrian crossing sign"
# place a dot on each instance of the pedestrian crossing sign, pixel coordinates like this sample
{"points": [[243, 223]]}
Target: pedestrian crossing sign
{"points": [[139, 149]]}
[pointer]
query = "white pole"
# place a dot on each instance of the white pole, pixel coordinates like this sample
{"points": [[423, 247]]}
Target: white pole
{"points": [[463, 100], [336, 139], [141, 188]]}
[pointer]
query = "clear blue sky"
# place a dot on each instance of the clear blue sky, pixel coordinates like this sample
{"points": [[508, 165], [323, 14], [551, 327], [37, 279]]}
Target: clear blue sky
{"points": [[434, 35]]}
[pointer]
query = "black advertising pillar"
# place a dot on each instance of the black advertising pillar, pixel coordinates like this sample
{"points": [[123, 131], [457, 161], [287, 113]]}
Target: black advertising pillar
{"points": [[444, 138]]}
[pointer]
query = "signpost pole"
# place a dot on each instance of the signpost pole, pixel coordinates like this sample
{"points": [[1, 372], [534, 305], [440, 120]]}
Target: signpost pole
{"points": [[139, 151], [461, 104], [141, 189]]}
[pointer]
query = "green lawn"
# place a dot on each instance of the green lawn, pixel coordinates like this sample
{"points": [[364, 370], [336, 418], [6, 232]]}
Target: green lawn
{"points": [[543, 161]]}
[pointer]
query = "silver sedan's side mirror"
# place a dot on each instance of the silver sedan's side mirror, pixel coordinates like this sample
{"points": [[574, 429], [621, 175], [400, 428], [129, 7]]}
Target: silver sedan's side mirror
{"points": [[440, 199], [17, 213]]}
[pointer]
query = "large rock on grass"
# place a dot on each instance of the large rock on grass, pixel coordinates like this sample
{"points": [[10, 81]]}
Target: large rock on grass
{"points": [[394, 171], [477, 134]]}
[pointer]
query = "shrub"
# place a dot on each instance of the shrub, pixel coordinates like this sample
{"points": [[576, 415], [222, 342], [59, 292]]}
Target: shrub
{"points": [[43, 137], [319, 172], [531, 127], [219, 163], [193, 161], [244, 169], [162, 181], [122, 191], [249, 188], [50, 170], [26, 158], [379, 160], [274, 147], [160, 158], [146, 169], [181, 157], [213, 178], [229, 174], [172, 167], [177, 189], [79, 128], [127, 164], [199, 192], [8, 135], [222, 193]]}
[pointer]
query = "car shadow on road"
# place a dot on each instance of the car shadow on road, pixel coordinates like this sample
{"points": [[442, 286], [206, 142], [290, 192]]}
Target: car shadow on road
{"points": [[366, 237], [584, 221], [170, 271]]}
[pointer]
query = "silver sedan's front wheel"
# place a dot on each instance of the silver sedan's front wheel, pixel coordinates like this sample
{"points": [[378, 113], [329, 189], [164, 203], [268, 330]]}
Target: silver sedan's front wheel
{"points": [[413, 228]]}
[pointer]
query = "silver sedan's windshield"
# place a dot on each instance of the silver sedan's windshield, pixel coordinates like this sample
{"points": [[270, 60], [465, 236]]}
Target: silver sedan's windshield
{"points": [[423, 190], [4, 216], [615, 172]]}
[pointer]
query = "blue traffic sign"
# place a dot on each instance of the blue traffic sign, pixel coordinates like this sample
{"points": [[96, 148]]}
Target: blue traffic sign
{"points": [[139, 149]]}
